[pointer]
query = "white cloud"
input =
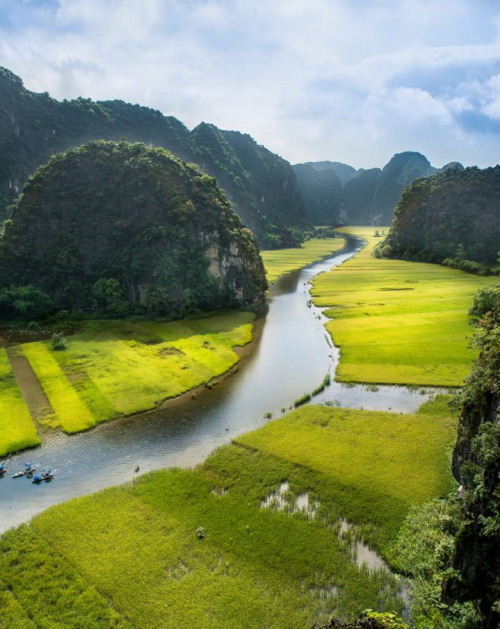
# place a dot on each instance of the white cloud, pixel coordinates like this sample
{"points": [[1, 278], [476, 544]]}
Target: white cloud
{"points": [[350, 80]]}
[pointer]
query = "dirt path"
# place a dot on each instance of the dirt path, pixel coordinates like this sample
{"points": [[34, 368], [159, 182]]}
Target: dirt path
{"points": [[31, 390]]}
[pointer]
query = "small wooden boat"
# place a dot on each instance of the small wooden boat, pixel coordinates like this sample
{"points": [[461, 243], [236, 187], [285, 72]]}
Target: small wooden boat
{"points": [[29, 470], [46, 475]]}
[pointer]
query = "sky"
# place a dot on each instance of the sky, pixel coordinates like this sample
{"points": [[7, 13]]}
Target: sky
{"points": [[354, 81]]}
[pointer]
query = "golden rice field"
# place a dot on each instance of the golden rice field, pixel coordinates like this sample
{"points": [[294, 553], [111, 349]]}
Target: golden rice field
{"points": [[117, 368], [282, 261], [398, 322], [17, 429]]}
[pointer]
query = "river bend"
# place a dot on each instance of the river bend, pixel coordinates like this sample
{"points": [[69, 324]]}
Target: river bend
{"points": [[291, 356]]}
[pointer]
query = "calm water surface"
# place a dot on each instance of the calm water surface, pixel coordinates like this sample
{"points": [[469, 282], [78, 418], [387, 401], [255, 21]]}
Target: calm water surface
{"points": [[291, 357]]}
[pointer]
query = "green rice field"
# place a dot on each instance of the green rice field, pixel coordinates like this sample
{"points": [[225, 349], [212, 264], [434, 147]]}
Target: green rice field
{"points": [[257, 536], [398, 322], [117, 368], [17, 429], [282, 261]]}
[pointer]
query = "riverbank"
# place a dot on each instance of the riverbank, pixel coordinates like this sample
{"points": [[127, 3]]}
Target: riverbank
{"points": [[117, 368], [279, 262], [265, 532], [17, 429], [398, 322]]}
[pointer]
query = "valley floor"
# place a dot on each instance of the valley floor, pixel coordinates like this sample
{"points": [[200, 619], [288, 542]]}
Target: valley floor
{"points": [[279, 262], [266, 532], [398, 322], [271, 530], [118, 368]]}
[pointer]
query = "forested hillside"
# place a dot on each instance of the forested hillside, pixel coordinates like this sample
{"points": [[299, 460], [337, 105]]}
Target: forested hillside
{"points": [[260, 184], [476, 465], [116, 228], [453, 216]]}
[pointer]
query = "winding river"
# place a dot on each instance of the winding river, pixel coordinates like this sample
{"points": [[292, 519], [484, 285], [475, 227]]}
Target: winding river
{"points": [[291, 355]]}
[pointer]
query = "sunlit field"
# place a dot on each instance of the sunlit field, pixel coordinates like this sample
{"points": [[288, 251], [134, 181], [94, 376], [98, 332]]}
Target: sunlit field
{"points": [[282, 261], [17, 430], [398, 322], [374, 465], [263, 533], [117, 368]]}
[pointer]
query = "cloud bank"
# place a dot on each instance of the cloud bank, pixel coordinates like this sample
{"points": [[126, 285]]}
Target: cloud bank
{"points": [[346, 80]]}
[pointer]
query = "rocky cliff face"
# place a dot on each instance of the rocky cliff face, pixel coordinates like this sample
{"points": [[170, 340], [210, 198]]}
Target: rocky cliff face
{"points": [[457, 208], [33, 127], [159, 228], [476, 466]]}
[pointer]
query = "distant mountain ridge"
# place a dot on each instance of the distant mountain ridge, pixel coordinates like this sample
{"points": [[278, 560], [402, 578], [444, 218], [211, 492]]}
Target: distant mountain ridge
{"points": [[342, 194], [261, 185]]}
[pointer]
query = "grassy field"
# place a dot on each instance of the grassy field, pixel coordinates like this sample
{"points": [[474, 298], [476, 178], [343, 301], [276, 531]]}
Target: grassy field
{"points": [[117, 368], [253, 566], [282, 261], [398, 322], [17, 430], [375, 465]]}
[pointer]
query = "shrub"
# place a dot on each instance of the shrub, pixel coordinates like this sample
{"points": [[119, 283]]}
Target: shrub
{"points": [[59, 342], [200, 532]]}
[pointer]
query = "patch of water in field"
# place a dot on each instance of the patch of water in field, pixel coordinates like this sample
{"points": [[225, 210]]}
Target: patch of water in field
{"points": [[291, 356]]}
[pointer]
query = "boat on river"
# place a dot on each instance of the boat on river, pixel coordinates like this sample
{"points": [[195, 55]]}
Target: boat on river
{"points": [[46, 475], [29, 470]]}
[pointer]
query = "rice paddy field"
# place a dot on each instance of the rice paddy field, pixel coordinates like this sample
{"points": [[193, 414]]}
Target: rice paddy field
{"points": [[282, 261], [398, 322], [117, 368], [263, 534], [17, 429]]}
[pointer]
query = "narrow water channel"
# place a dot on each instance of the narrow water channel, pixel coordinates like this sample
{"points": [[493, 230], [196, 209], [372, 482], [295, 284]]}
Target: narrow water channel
{"points": [[291, 356]]}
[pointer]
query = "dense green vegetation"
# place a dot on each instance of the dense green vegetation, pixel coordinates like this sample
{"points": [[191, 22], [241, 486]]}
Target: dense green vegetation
{"points": [[477, 467], [17, 429], [336, 194], [283, 261], [450, 546], [253, 537], [116, 368], [114, 228], [261, 185], [398, 322], [368, 620], [451, 217]]}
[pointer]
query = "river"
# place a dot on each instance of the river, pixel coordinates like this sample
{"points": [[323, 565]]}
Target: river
{"points": [[291, 356]]}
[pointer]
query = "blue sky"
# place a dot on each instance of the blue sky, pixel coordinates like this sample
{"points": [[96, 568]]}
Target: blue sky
{"points": [[346, 80]]}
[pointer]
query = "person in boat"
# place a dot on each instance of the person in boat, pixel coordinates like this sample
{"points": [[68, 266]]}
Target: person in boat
{"points": [[2, 468]]}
